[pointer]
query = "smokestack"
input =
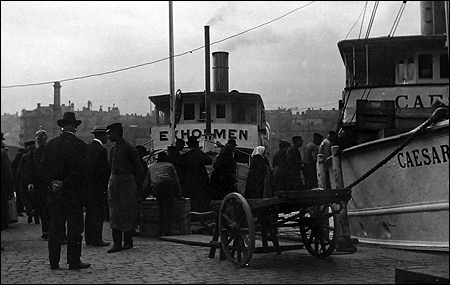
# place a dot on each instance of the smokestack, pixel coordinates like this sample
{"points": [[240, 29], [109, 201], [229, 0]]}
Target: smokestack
{"points": [[57, 94], [220, 71], [432, 15]]}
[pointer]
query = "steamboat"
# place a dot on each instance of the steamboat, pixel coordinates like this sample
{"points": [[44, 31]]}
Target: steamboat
{"points": [[393, 85], [233, 115]]}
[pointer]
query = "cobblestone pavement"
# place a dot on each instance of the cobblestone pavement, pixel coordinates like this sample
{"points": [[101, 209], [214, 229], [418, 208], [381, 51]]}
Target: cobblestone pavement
{"points": [[25, 260]]}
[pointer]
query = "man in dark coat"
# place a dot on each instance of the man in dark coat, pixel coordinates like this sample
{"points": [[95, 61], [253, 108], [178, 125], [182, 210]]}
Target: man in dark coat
{"points": [[279, 163], [99, 172], [14, 167], [124, 188], [193, 176], [64, 164], [7, 185], [23, 178], [223, 177], [35, 184], [294, 165]]}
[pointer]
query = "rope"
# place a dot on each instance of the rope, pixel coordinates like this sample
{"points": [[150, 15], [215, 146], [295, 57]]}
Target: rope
{"points": [[436, 116]]}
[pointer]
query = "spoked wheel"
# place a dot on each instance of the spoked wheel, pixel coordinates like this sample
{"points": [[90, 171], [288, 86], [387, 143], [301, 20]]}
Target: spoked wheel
{"points": [[318, 229], [237, 229]]}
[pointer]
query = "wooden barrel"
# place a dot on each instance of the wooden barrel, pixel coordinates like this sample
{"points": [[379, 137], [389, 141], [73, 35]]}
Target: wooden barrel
{"points": [[149, 217]]}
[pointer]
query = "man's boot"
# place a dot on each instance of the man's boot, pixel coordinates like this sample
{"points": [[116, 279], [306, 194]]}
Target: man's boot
{"points": [[128, 240], [117, 239]]}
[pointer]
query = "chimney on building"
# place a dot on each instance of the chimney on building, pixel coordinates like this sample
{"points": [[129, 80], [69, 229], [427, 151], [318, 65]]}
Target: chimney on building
{"points": [[57, 94], [220, 71]]}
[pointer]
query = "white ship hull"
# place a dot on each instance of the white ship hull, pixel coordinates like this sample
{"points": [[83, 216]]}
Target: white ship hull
{"points": [[405, 203]]}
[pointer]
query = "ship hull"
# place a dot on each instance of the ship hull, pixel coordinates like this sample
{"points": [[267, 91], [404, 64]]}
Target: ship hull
{"points": [[405, 203]]}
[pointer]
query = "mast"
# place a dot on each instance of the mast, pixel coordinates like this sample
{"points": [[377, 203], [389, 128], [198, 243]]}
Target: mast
{"points": [[171, 76], [207, 82]]}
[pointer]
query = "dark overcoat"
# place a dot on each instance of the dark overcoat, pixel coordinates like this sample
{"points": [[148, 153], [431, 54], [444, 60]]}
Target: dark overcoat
{"points": [[99, 172], [194, 178]]}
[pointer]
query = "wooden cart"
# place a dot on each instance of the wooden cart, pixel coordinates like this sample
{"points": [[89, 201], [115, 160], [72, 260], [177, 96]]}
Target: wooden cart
{"points": [[313, 212]]}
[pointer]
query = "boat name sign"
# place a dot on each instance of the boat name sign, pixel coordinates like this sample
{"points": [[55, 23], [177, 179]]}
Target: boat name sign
{"points": [[419, 157]]}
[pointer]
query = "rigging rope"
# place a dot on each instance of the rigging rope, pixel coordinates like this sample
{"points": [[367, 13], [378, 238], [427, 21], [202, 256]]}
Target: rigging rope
{"points": [[374, 11], [362, 22], [397, 19]]}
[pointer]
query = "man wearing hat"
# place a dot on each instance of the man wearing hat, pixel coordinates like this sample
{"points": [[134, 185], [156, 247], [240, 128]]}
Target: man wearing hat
{"points": [[23, 178], [124, 185], [7, 184], [99, 172], [65, 168], [162, 182], [34, 184], [194, 178], [294, 165], [310, 161], [223, 177]]}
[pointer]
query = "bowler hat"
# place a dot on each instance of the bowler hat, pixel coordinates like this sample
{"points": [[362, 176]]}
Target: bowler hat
{"points": [[162, 156], [317, 135], [99, 129], [68, 119], [284, 143], [192, 140], [232, 142], [114, 127]]}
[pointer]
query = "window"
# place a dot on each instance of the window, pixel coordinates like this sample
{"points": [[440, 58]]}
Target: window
{"points": [[443, 66], [220, 110], [406, 71], [425, 66], [189, 111], [239, 111]]}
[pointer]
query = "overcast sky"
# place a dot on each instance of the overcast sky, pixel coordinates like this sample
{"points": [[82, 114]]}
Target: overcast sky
{"points": [[291, 62]]}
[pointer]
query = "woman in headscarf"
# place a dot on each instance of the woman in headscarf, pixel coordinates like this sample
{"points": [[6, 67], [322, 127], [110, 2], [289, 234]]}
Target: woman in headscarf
{"points": [[257, 174]]}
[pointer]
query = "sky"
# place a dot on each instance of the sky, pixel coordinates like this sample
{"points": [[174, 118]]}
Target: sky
{"points": [[285, 51]]}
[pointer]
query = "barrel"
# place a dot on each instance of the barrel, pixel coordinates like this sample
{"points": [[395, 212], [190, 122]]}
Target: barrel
{"points": [[149, 217]]}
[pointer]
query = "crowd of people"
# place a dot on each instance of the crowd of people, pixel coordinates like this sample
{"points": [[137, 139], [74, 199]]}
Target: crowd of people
{"points": [[71, 187]]}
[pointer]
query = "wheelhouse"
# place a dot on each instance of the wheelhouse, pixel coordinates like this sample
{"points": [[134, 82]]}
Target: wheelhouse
{"points": [[234, 115], [391, 84]]}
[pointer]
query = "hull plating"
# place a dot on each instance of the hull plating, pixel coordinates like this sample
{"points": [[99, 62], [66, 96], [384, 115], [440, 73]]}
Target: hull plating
{"points": [[405, 203]]}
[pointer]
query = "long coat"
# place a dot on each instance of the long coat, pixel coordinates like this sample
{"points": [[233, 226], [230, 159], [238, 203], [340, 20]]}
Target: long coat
{"points": [[223, 178], [99, 172], [294, 169], [65, 159], [279, 163], [7, 185], [194, 178], [125, 185]]}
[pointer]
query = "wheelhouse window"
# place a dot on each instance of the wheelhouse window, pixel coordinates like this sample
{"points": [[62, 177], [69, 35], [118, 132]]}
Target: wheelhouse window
{"points": [[406, 71], [189, 111], [443, 66], [244, 112], [425, 66], [220, 110]]}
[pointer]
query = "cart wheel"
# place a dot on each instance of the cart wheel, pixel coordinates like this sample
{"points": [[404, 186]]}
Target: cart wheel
{"points": [[318, 229], [237, 229]]}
